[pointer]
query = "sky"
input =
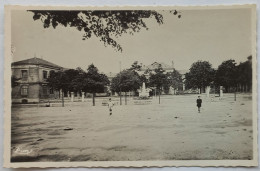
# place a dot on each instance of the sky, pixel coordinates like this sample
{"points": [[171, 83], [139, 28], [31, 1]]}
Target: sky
{"points": [[211, 35]]}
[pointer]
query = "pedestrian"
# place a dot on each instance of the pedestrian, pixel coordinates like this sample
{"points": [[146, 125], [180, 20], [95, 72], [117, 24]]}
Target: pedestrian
{"points": [[199, 101], [110, 105]]}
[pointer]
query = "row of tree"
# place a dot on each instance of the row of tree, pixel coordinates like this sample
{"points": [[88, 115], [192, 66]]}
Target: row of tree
{"points": [[91, 81], [232, 76], [77, 80]]}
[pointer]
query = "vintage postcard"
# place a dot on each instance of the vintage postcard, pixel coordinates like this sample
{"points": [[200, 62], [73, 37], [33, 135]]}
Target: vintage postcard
{"points": [[130, 86]]}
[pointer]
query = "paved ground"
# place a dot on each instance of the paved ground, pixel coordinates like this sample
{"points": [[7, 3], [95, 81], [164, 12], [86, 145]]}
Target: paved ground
{"points": [[173, 130]]}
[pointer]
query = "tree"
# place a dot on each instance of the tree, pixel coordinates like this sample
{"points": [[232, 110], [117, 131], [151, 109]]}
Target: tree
{"points": [[72, 80], [245, 74], [57, 80], [227, 75], [105, 25], [135, 67], [125, 81], [77, 80], [95, 82], [64, 81], [158, 79], [201, 74], [174, 79]]}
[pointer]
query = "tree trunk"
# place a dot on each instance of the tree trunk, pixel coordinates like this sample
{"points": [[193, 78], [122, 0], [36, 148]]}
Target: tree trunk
{"points": [[159, 96], [93, 99], [62, 98], [125, 99], [120, 98], [235, 94]]}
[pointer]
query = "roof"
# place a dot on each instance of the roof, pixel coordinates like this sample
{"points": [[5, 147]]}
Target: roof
{"points": [[156, 65], [36, 61], [184, 71], [111, 75]]}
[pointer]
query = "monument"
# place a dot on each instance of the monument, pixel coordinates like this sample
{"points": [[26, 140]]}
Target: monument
{"points": [[144, 92]]}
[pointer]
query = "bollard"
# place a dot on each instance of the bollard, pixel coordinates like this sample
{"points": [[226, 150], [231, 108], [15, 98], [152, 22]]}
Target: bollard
{"points": [[83, 96], [72, 97]]}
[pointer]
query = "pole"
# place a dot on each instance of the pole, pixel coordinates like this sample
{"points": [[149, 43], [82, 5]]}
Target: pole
{"points": [[120, 83], [159, 96], [235, 94], [62, 96], [93, 99], [39, 91], [125, 98], [120, 97]]}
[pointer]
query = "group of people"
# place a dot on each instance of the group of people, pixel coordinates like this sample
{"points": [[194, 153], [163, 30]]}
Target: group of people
{"points": [[111, 104]]}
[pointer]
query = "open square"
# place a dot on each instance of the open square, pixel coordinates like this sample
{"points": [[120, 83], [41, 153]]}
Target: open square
{"points": [[173, 130]]}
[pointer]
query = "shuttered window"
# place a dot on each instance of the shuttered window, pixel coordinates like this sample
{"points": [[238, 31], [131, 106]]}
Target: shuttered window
{"points": [[24, 90]]}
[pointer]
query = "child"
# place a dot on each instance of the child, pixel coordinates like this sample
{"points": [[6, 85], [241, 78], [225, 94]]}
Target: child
{"points": [[199, 101], [110, 105]]}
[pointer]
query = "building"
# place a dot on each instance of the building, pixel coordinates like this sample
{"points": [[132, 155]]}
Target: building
{"points": [[31, 85], [153, 66]]}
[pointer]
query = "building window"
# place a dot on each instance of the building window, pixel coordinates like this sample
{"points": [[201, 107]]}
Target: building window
{"points": [[45, 90], [24, 74], [45, 74], [24, 91], [51, 91]]}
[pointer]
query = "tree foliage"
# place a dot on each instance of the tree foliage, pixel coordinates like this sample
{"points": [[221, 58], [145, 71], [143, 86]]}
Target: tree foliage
{"points": [[158, 78], [201, 74], [245, 73], [95, 82], [105, 25], [78, 80], [227, 74], [135, 67], [174, 79], [125, 81], [232, 76], [58, 81]]}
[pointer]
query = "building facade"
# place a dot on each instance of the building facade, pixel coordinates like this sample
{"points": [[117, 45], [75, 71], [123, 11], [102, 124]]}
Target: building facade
{"points": [[31, 80]]}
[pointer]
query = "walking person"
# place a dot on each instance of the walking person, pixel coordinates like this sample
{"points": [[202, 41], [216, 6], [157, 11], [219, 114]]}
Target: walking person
{"points": [[110, 105], [199, 101]]}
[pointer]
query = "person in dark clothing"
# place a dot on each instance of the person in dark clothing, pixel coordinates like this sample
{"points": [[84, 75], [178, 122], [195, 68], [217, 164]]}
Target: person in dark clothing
{"points": [[199, 101]]}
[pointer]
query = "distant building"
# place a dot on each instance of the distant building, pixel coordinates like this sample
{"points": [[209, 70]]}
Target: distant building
{"points": [[167, 68], [110, 75], [153, 66], [32, 85]]}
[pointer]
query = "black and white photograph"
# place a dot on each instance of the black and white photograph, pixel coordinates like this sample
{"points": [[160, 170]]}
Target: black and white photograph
{"points": [[130, 86]]}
